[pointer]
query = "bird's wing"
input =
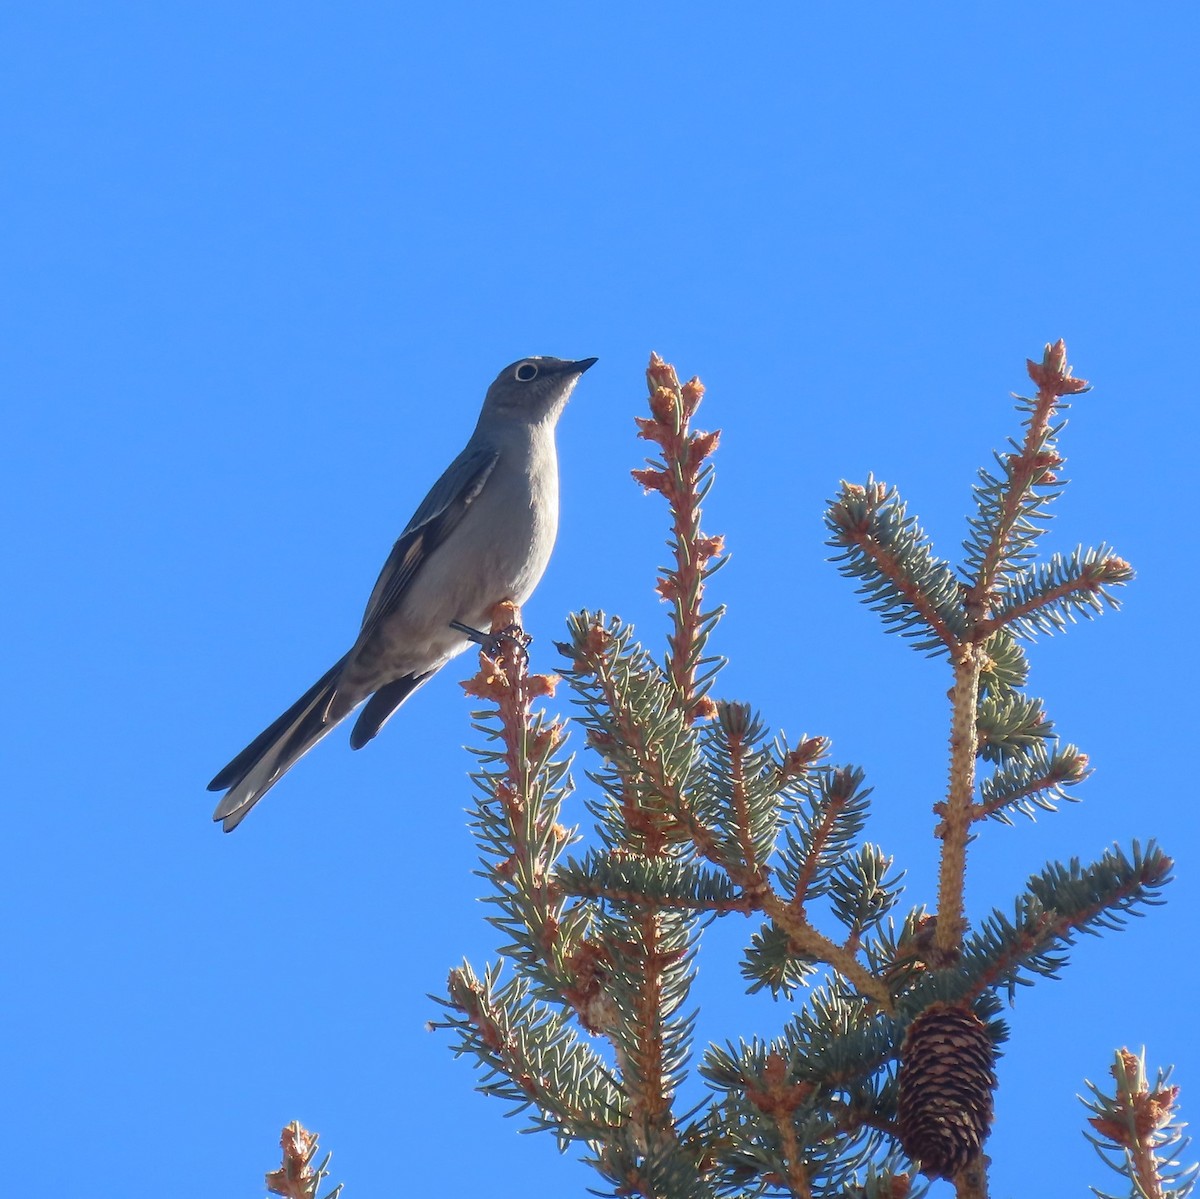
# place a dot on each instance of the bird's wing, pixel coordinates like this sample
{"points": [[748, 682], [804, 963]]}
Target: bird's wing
{"points": [[439, 513]]}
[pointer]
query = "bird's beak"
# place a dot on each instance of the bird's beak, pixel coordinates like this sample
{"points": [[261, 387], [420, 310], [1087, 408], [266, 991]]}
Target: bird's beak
{"points": [[579, 367]]}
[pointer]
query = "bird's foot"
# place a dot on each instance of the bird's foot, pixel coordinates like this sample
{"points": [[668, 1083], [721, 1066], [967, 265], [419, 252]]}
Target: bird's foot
{"points": [[493, 643]]}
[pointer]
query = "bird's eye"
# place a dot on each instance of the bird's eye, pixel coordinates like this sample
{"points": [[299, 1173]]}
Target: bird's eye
{"points": [[526, 371]]}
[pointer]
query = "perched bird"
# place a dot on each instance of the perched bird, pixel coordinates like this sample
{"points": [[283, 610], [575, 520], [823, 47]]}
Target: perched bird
{"points": [[483, 534]]}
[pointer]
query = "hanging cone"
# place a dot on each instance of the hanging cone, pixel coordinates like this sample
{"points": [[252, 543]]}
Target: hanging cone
{"points": [[946, 1084]]}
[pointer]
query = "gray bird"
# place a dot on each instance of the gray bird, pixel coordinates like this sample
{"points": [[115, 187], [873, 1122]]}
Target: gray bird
{"points": [[483, 534]]}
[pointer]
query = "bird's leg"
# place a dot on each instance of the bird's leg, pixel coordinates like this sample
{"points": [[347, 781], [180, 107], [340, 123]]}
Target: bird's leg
{"points": [[493, 643], [471, 634]]}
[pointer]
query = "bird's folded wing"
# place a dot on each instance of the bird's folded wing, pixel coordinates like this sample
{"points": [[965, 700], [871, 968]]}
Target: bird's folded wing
{"points": [[439, 513]]}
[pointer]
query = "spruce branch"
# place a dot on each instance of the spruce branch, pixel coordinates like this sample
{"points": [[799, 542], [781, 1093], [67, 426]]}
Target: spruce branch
{"points": [[863, 891], [954, 826], [531, 1057], [649, 973], [1103, 894], [745, 789], [654, 780], [1138, 1133], [519, 796], [1057, 904], [1010, 725], [683, 476], [782, 1101], [1012, 509], [830, 822], [596, 651], [804, 1106], [1043, 598], [772, 960], [624, 978], [888, 553], [643, 735], [297, 1178], [636, 1167], [674, 883], [1033, 780], [1005, 667]]}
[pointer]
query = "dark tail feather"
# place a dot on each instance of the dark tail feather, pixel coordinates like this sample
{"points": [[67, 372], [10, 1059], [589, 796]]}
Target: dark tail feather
{"points": [[275, 750], [381, 705]]}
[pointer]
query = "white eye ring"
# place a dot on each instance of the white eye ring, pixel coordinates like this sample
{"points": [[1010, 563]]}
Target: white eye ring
{"points": [[526, 372]]}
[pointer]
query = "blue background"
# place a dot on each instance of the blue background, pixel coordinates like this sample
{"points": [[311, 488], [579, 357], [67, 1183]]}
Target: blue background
{"points": [[258, 263]]}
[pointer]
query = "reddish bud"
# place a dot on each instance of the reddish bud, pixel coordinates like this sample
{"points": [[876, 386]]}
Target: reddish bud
{"points": [[703, 444], [540, 685], [544, 741], [491, 683], [506, 617], [650, 479], [296, 1177], [798, 760], [598, 639], [664, 405], [1113, 570], [692, 392], [651, 430], [1113, 1130], [1053, 374], [661, 374]]}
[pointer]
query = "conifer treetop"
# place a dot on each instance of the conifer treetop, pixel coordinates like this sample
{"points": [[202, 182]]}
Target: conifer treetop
{"points": [[885, 1070]]}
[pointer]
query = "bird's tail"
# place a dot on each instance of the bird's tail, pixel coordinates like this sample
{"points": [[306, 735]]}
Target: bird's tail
{"points": [[276, 749]]}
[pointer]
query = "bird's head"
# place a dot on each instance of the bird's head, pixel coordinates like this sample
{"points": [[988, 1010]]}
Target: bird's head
{"points": [[534, 389]]}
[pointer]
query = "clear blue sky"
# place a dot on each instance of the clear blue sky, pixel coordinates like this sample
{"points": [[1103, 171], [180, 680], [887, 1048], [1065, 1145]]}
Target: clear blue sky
{"points": [[257, 265]]}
